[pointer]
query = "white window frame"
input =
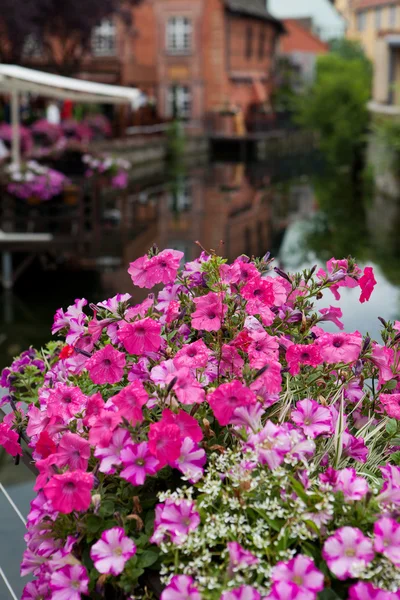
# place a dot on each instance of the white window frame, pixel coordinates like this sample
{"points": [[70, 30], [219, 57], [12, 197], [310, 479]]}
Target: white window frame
{"points": [[104, 39], [362, 20], [184, 100], [392, 15], [179, 35]]}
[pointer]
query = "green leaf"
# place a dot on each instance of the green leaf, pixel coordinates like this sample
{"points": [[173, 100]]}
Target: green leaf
{"points": [[391, 385], [395, 459], [328, 594], [93, 524], [147, 558], [299, 489], [391, 427], [107, 508]]}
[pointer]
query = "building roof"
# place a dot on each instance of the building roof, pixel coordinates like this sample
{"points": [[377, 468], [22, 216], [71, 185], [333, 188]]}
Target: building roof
{"points": [[253, 8], [300, 39]]}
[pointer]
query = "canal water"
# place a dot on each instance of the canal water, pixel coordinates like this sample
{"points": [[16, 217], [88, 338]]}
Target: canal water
{"points": [[300, 213]]}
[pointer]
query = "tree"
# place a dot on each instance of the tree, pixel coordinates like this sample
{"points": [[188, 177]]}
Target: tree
{"points": [[62, 29]]}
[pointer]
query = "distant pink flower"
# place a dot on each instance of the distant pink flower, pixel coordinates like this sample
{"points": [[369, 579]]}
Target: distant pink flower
{"points": [[209, 312], [191, 460], [332, 314], [302, 572], [165, 442], [181, 587], [188, 425], [73, 451], [138, 463], [193, 356], [65, 401], [70, 491], [112, 551], [271, 444], [130, 402], [366, 591], [227, 397], [106, 365], [245, 592], [187, 389], [239, 557], [367, 284], [302, 354], [120, 181], [387, 539], [347, 552], [269, 382], [69, 583], [312, 418], [175, 519], [391, 404], [110, 455], [352, 486], [102, 431], [141, 336], [340, 347], [9, 440]]}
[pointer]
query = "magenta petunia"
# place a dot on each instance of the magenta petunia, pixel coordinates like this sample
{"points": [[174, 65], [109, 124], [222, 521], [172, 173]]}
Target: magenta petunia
{"points": [[9, 440], [188, 425], [191, 460], [302, 354], [65, 401], [366, 591], [130, 402], [262, 347], [227, 397], [387, 539], [391, 404], [239, 557], [332, 314], [351, 485], [175, 519], [70, 491], [367, 284], [271, 444], [193, 356], [110, 454], [102, 430], [340, 347], [141, 337], [245, 592], [209, 313], [312, 418], [186, 387], [36, 590], [181, 587], [138, 462], [269, 381], [106, 365], [112, 551], [69, 583], [348, 552], [300, 571], [73, 451], [165, 442]]}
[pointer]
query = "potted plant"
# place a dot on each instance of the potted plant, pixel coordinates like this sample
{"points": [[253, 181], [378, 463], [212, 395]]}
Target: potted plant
{"points": [[33, 182], [213, 442], [110, 171]]}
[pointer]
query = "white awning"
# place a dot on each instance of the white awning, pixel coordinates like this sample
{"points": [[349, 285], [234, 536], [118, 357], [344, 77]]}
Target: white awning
{"points": [[13, 77]]}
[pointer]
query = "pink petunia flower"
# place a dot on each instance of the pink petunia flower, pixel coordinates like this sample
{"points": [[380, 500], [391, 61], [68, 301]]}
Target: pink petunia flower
{"points": [[302, 572], [163, 267], [302, 354], [139, 273], [187, 389], [65, 401], [269, 382], [347, 552], [391, 404], [383, 358], [175, 519], [110, 455], [209, 312], [188, 425], [352, 486], [354, 447], [340, 347], [36, 590], [367, 284], [287, 590], [181, 587], [271, 444], [106, 365], [332, 314], [140, 337], [138, 463], [366, 591], [227, 397], [102, 431], [69, 583], [70, 491], [249, 417], [262, 348], [231, 362], [239, 557], [387, 539], [193, 356], [165, 442], [94, 406], [73, 451], [390, 492], [191, 460], [245, 592], [112, 551], [9, 440], [312, 418], [130, 402]]}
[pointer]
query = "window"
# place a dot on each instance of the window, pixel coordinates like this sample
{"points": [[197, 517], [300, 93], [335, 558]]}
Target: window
{"points": [[392, 15], [361, 21], [378, 18], [104, 39], [179, 101], [179, 35], [261, 47], [249, 42]]}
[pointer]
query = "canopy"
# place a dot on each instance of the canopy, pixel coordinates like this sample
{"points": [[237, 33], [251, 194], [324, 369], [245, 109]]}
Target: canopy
{"points": [[15, 79]]}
